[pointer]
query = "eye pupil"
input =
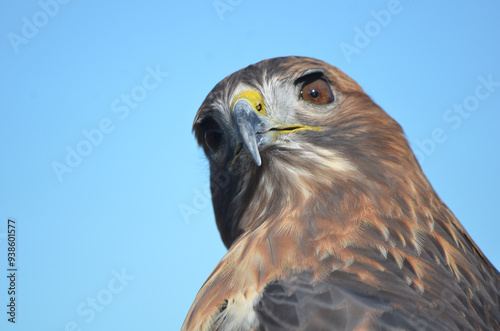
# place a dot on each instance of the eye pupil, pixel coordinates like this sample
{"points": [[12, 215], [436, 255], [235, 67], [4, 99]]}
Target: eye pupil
{"points": [[314, 94], [213, 139]]}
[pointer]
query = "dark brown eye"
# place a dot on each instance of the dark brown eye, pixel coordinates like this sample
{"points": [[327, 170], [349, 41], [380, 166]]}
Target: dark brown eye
{"points": [[213, 138], [317, 91]]}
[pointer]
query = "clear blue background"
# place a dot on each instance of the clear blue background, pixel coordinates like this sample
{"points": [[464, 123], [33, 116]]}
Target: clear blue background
{"points": [[120, 209]]}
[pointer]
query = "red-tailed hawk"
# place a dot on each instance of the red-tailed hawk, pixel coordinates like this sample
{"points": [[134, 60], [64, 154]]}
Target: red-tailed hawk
{"points": [[329, 220]]}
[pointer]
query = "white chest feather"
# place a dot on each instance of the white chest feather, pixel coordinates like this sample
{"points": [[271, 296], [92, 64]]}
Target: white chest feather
{"points": [[239, 313]]}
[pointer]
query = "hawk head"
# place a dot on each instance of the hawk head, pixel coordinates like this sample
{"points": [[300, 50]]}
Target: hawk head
{"points": [[328, 217], [292, 129]]}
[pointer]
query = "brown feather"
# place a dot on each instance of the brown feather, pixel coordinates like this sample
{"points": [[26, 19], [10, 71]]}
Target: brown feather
{"points": [[340, 228]]}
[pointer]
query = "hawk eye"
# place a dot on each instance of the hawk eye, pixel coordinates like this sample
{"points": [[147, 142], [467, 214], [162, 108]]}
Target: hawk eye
{"points": [[213, 139], [317, 91], [213, 136]]}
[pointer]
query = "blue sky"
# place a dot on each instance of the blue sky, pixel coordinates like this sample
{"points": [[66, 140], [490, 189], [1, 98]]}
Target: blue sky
{"points": [[101, 172]]}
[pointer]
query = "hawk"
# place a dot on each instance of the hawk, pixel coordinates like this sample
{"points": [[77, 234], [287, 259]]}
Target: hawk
{"points": [[329, 221]]}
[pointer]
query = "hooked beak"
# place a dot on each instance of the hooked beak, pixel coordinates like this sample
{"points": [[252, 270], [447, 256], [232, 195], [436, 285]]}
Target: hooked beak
{"points": [[255, 129], [251, 128]]}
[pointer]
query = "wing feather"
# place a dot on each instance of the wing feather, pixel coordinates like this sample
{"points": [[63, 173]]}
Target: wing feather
{"points": [[342, 302]]}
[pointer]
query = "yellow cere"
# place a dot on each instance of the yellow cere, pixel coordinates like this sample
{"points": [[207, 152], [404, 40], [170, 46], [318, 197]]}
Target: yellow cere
{"points": [[255, 100]]}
